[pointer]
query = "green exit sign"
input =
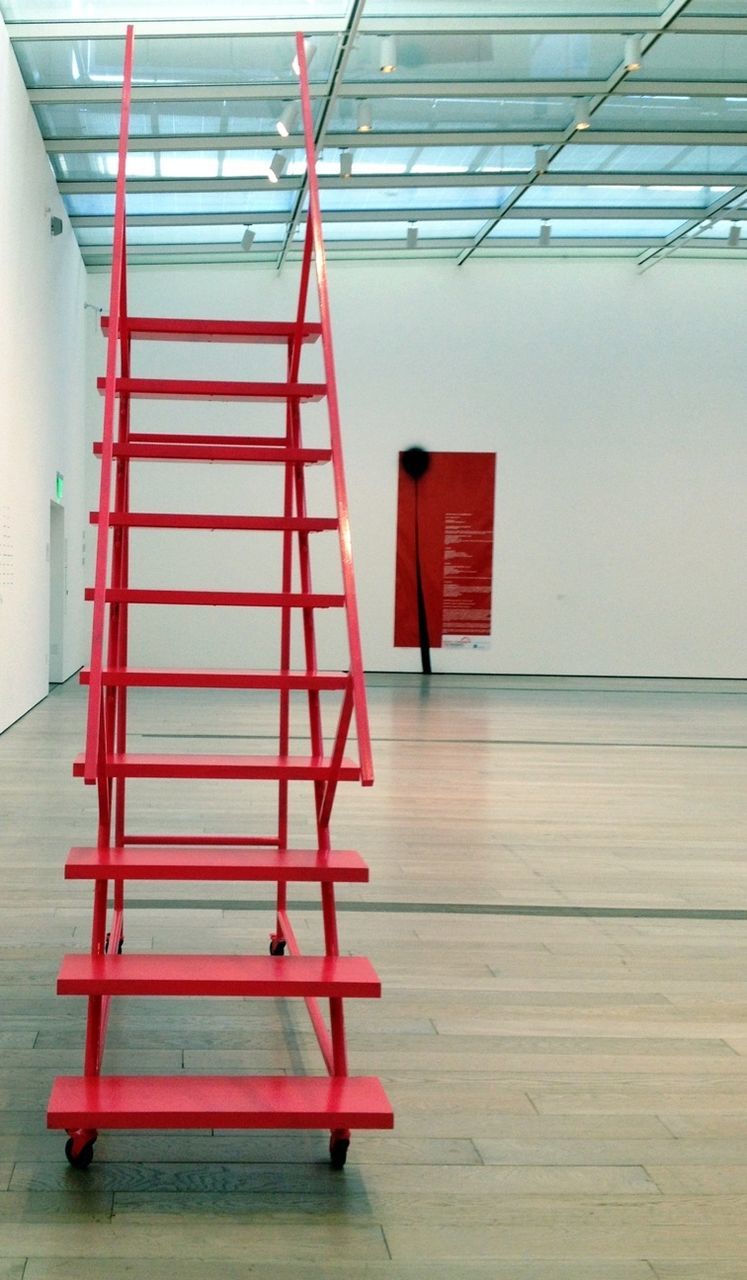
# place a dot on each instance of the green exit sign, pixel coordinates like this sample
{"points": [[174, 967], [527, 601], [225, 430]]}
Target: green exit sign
{"points": [[59, 486]]}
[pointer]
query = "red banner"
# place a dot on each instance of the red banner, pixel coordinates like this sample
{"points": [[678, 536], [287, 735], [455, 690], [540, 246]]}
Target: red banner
{"points": [[445, 539]]}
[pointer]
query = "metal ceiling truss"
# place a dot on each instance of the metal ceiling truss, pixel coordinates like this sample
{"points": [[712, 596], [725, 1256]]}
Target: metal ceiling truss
{"points": [[478, 89], [433, 25], [345, 49], [372, 141], [593, 104], [505, 190], [662, 178], [403, 214]]}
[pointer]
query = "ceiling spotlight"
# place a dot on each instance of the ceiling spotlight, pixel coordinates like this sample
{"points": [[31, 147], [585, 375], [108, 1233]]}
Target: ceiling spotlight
{"points": [[412, 235], [581, 118], [346, 163], [277, 166], [541, 158], [309, 49], [545, 234], [247, 240], [735, 232], [365, 116], [633, 53], [287, 120], [387, 55]]}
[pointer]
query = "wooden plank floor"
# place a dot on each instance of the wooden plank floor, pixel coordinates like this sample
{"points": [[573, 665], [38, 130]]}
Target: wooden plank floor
{"points": [[558, 910]]}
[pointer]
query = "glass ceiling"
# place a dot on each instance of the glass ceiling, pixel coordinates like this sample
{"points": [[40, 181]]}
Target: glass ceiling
{"points": [[519, 126]]}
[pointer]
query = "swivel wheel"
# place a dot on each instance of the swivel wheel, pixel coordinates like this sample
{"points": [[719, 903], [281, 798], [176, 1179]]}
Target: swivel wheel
{"points": [[338, 1151], [277, 946], [79, 1150]]}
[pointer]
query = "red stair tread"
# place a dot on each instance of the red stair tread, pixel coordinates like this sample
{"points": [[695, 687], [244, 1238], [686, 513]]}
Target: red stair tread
{"points": [[215, 975], [226, 599], [210, 389], [209, 451], [157, 329], [191, 437], [289, 768], [143, 862], [142, 677], [178, 520], [269, 442], [219, 1102]]}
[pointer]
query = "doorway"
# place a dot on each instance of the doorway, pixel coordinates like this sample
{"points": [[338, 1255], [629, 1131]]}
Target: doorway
{"points": [[57, 591]]}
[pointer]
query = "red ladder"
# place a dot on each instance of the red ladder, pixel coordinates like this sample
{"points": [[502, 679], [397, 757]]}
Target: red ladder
{"points": [[84, 1104]]}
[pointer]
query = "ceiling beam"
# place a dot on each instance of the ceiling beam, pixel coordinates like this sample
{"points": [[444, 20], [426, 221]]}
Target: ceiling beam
{"points": [[202, 28], [345, 49], [399, 214], [674, 9], [393, 244], [694, 226], [140, 186], [413, 138], [493, 90]]}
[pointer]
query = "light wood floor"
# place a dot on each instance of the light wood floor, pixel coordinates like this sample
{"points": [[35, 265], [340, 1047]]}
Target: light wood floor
{"points": [[558, 910]]}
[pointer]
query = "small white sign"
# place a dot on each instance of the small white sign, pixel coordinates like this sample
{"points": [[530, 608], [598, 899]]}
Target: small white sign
{"points": [[465, 642]]}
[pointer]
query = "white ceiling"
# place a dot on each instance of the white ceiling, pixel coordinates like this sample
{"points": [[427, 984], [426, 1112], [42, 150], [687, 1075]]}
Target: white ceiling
{"points": [[474, 136]]}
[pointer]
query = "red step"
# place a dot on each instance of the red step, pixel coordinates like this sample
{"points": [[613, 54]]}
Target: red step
{"points": [[174, 520], [341, 866], [190, 437], [208, 389], [154, 329], [258, 599], [146, 677], [217, 453], [262, 768], [352, 977], [219, 1102]]}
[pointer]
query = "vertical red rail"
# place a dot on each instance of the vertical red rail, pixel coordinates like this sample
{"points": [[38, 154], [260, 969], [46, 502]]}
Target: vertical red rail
{"points": [[93, 723], [320, 264]]}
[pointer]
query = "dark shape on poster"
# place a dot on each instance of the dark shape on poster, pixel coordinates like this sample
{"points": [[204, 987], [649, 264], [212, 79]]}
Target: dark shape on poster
{"points": [[415, 462]]}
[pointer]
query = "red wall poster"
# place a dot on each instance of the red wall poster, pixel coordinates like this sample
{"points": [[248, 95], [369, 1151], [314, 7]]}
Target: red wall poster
{"points": [[445, 537]]}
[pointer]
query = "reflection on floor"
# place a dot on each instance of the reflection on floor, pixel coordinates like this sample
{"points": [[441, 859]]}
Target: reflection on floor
{"points": [[558, 910]]}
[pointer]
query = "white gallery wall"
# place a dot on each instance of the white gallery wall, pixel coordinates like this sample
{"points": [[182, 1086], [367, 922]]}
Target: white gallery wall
{"points": [[614, 400], [42, 391]]}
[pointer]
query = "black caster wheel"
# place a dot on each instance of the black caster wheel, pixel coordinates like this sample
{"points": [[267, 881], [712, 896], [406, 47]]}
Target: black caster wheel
{"points": [[120, 948], [82, 1158], [338, 1152], [277, 947]]}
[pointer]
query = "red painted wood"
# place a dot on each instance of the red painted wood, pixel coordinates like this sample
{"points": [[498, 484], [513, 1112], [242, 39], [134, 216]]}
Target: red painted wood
{"points": [[228, 599], [118, 312], [208, 975], [264, 768], [218, 453], [155, 329], [175, 520], [120, 856], [207, 840], [150, 678], [208, 389], [314, 230], [194, 863], [191, 437], [218, 1102]]}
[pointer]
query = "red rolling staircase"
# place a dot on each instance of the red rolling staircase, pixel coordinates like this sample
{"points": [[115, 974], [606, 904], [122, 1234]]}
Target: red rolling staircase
{"points": [[82, 1105]]}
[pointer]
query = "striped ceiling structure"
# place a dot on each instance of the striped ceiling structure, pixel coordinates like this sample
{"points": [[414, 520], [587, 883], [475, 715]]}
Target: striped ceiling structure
{"points": [[446, 129]]}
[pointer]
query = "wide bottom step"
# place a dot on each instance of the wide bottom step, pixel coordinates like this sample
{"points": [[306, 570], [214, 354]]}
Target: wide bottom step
{"points": [[219, 1102]]}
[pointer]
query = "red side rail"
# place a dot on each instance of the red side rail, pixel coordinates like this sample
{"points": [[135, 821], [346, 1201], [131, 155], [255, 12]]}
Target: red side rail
{"points": [[117, 334], [314, 229]]}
